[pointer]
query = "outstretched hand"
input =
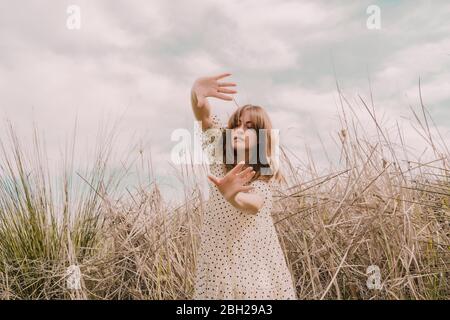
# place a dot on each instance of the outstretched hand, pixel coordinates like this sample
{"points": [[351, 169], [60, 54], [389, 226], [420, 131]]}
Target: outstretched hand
{"points": [[211, 87], [234, 181]]}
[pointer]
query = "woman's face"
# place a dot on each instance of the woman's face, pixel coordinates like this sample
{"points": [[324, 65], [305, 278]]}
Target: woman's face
{"points": [[244, 136]]}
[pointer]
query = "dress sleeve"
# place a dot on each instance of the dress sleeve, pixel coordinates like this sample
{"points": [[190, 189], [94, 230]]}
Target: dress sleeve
{"points": [[213, 135]]}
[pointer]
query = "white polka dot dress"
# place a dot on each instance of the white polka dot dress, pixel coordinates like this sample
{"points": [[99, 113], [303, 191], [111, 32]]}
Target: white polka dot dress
{"points": [[240, 256]]}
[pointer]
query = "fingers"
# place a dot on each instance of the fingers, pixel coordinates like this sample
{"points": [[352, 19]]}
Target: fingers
{"points": [[225, 90], [213, 179], [248, 176], [237, 168], [222, 75], [245, 171], [246, 188], [222, 96], [227, 84]]}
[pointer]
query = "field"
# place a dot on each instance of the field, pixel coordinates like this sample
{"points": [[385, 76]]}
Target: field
{"points": [[377, 207]]}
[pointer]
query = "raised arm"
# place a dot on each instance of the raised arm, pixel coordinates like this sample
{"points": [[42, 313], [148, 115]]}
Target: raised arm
{"points": [[205, 87]]}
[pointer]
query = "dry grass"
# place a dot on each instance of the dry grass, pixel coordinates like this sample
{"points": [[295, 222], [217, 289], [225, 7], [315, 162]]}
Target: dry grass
{"points": [[379, 208]]}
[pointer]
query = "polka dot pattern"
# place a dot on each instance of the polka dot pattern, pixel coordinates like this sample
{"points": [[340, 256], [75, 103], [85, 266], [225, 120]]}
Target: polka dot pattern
{"points": [[240, 256]]}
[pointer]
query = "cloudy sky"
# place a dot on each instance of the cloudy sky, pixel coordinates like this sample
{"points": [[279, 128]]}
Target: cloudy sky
{"points": [[136, 60]]}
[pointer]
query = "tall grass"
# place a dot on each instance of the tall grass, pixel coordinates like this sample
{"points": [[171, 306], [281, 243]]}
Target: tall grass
{"points": [[377, 206]]}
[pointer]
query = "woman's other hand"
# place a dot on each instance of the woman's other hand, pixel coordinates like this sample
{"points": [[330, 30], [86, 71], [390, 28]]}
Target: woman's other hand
{"points": [[234, 181]]}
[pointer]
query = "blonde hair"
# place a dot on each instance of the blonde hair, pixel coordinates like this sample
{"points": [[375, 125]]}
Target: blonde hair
{"points": [[261, 121]]}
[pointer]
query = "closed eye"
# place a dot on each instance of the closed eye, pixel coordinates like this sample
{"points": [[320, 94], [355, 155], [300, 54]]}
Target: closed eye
{"points": [[248, 124]]}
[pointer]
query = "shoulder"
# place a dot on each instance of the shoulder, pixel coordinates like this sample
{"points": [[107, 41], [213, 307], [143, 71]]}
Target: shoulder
{"points": [[215, 130], [216, 123], [213, 135]]}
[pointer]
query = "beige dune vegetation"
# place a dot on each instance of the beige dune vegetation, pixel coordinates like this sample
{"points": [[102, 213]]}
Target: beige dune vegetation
{"points": [[377, 206]]}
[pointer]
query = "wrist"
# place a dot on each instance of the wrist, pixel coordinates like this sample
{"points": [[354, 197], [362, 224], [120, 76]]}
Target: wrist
{"points": [[193, 94], [229, 197], [233, 202], [195, 98]]}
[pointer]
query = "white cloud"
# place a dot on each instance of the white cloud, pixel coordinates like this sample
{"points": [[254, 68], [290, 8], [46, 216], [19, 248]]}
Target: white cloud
{"points": [[138, 59]]}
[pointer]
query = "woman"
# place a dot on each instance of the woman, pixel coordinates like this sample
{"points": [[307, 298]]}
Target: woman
{"points": [[240, 256]]}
